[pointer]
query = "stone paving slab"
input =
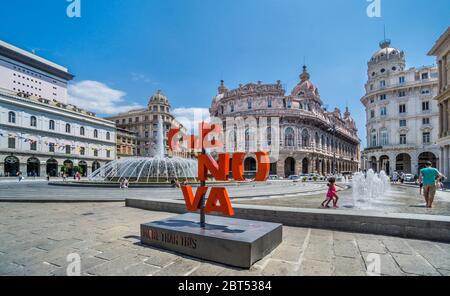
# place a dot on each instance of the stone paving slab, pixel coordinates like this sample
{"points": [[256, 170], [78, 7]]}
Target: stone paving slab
{"points": [[36, 239]]}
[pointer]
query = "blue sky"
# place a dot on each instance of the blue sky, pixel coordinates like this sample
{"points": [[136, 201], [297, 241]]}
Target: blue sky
{"points": [[123, 51]]}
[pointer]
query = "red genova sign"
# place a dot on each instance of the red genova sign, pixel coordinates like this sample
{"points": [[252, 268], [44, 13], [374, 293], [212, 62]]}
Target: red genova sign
{"points": [[218, 200]]}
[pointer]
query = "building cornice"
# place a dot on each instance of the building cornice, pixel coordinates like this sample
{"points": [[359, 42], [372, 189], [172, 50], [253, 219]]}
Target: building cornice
{"points": [[431, 82], [36, 105], [442, 39], [443, 96]]}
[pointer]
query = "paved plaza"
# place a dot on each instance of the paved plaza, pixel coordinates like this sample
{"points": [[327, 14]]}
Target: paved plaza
{"points": [[36, 239], [41, 191], [399, 199]]}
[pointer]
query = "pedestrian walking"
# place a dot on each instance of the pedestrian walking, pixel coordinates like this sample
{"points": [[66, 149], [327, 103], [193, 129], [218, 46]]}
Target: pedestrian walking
{"points": [[19, 176], [429, 177]]}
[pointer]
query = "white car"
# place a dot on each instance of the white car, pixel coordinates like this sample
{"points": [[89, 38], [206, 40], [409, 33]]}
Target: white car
{"points": [[409, 178]]}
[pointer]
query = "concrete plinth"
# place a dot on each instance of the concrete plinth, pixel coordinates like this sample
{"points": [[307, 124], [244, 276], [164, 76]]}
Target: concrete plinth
{"points": [[233, 242]]}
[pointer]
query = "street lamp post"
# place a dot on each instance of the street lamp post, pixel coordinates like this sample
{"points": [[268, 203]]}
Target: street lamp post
{"points": [[203, 201]]}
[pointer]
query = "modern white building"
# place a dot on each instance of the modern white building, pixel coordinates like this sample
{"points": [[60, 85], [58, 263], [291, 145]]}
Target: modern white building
{"points": [[39, 132], [26, 73], [402, 117], [39, 137]]}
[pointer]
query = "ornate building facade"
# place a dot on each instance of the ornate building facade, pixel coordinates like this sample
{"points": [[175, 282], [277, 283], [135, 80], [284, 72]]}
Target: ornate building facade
{"points": [[442, 52], [144, 123], [402, 117], [309, 135]]}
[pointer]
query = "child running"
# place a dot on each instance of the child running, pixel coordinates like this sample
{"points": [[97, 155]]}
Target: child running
{"points": [[331, 194]]}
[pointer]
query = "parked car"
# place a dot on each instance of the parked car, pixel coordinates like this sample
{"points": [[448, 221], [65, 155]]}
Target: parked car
{"points": [[409, 178], [294, 178], [274, 177]]}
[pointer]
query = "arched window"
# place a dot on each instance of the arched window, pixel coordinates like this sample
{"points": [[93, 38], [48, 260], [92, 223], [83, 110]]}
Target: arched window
{"points": [[33, 121], [289, 137], [96, 134], [68, 128], [305, 138], [232, 107], [247, 139], [82, 131], [51, 125], [12, 117], [317, 140], [108, 136], [269, 136]]}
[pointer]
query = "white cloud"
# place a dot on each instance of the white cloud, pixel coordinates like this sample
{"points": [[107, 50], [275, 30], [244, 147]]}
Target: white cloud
{"points": [[190, 118], [98, 97]]}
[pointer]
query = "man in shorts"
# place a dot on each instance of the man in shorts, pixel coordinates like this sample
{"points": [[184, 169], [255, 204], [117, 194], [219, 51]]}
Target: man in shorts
{"points": [[428, 177]]}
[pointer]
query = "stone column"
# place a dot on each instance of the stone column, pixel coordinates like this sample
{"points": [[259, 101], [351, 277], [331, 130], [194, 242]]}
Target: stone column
{"points": [[445, 160], [414, 166], [298, 165], [2, 169], [392, 164], [280, 167], [445, 71], [310, 164], [446, 114], [23, 169], [441, 118], [43, 170]]}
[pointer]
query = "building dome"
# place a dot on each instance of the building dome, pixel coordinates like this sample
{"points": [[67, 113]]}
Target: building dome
{"points": [[159, 98], [306, 88], [348, 119], [386, 50], [386, 60]]}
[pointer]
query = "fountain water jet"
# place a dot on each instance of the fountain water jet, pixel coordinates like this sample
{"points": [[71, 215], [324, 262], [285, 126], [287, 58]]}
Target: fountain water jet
{"points": [[369, 187], [145, 170]]}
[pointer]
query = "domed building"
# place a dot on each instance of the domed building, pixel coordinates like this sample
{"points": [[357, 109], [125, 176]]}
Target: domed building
{"points": [[144, 123], [402, 117], [309, 135]]}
